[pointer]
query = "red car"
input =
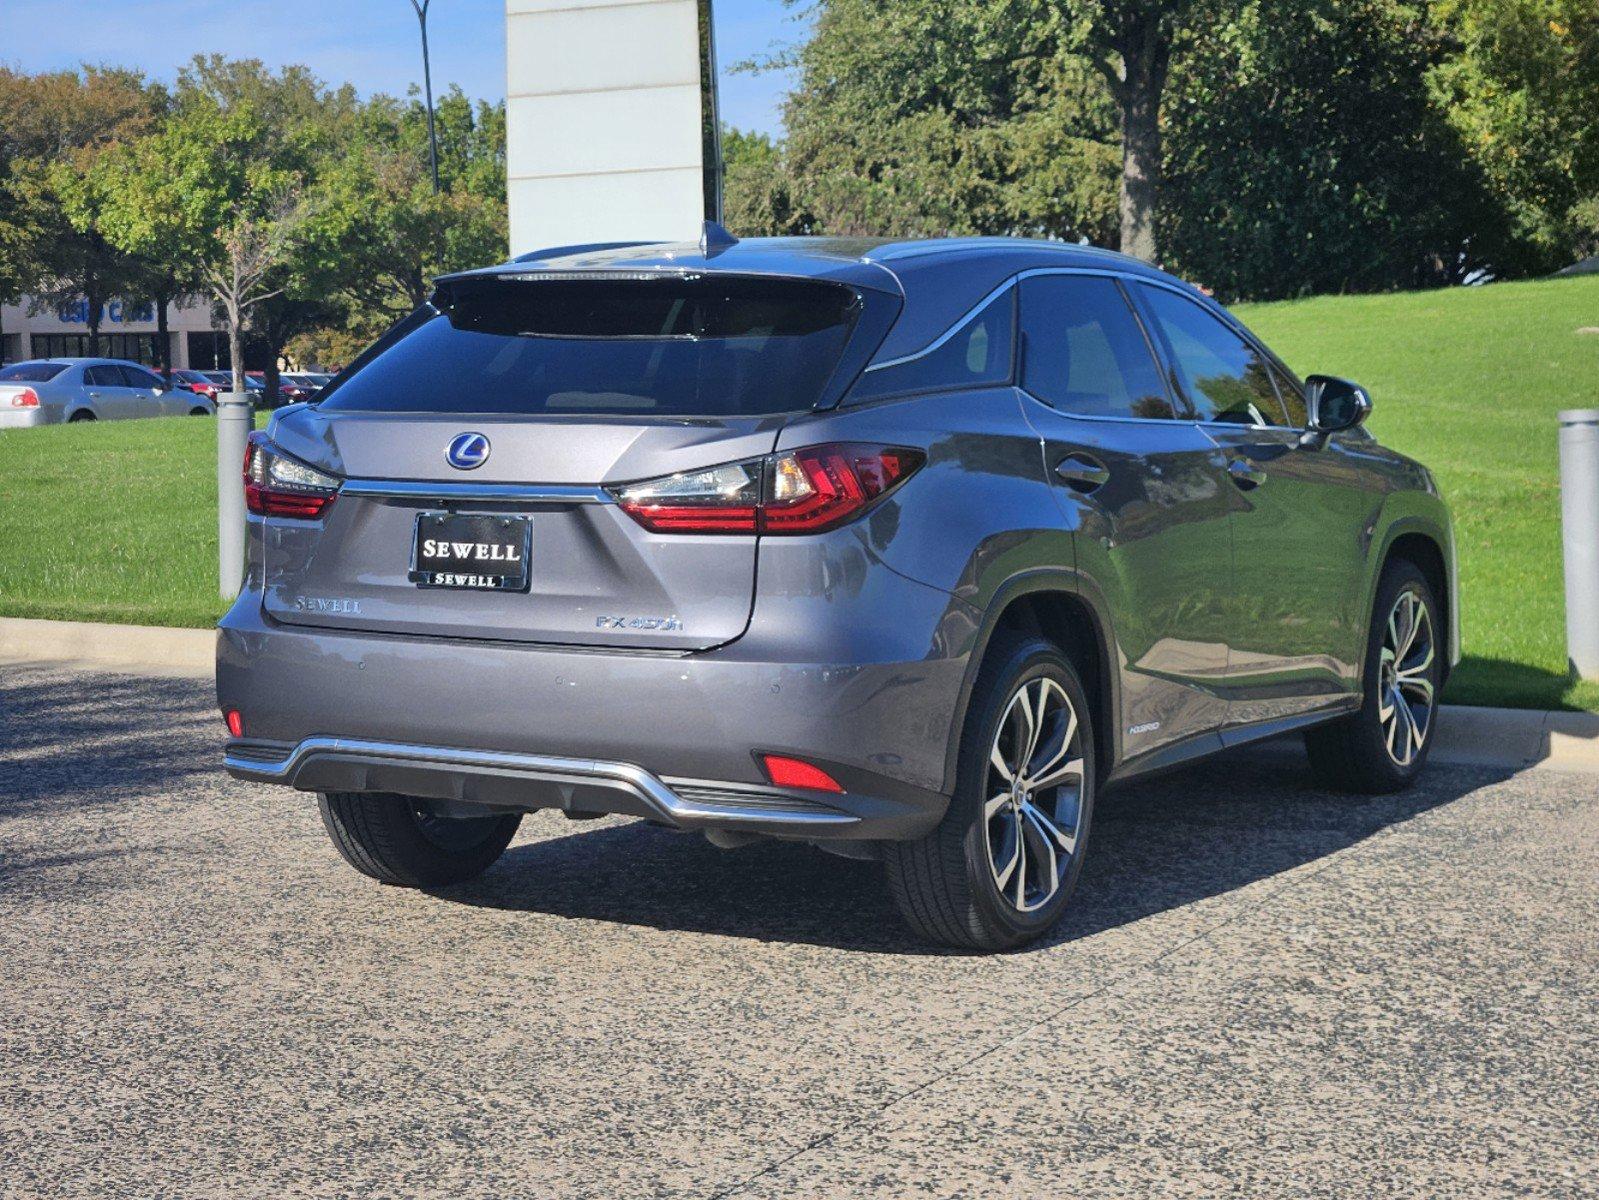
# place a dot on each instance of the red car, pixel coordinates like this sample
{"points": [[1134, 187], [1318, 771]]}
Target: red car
{"points": [[195, 382]]}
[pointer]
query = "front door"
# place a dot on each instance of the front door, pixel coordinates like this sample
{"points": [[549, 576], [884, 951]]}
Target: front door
{"points": [[1146, 494], [1301, 521]]}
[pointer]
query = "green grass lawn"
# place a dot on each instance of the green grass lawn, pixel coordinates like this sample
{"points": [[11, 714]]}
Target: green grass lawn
{"points": [[116, 522], [111, 521]]}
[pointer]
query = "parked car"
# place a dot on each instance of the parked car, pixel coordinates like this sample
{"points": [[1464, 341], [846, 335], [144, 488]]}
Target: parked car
{"points": [[194, 381], [307, 383], [902, 549], [49, 391]]}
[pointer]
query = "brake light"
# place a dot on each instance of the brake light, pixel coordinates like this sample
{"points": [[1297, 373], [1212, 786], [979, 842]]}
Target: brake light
{"points": [[235, 722], [26, 398], [799, 491], [796, 773], [276, 485]]}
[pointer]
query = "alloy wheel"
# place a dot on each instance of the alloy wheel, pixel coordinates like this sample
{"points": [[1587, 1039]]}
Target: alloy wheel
{"points": [[1035, 784], [1406, 700]]}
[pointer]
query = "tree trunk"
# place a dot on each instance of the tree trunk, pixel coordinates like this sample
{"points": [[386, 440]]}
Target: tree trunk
{"points": [[95, 305], [235, 345], [1145, 51], [271, 398], [163, 338]]}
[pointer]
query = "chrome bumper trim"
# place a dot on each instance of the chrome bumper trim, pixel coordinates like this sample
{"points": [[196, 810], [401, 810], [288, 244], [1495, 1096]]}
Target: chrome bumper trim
{"points": [[656, 795], [527, 493]]}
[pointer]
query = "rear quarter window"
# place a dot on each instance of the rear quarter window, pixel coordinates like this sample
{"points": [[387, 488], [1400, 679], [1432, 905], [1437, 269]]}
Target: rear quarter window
{"points": [[979, 353]]}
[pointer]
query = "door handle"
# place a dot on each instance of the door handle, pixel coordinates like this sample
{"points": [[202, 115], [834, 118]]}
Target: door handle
{"points": [[1082, 472], [1245, 474]]}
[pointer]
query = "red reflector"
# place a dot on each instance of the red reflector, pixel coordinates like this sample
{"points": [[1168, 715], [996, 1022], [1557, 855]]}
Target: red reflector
{"points": [[791, 772], [235, 722]]}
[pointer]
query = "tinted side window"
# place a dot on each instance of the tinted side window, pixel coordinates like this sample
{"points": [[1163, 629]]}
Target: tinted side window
{"points": [[1083, 351], [103, 376], [140, 379], [1222, 374], [978, 354]]}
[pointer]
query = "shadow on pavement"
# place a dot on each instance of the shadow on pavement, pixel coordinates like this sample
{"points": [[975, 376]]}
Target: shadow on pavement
{"points": [[86, 739], [1155, 846]]}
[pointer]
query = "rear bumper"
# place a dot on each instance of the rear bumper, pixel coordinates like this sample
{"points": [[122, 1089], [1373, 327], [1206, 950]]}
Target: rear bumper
{"points": [[670, 737], [24, 418], [499, 780]]}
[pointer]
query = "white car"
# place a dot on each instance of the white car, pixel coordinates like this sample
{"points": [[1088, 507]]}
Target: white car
{"points": [[48, 391]]}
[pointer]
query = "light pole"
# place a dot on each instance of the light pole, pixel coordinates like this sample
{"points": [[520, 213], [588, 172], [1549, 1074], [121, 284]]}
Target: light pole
{"points": [[421, 7]]}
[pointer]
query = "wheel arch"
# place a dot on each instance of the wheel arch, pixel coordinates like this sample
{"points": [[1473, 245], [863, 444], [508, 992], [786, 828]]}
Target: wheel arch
{"points": [[1429, 545], [1066, 609]]}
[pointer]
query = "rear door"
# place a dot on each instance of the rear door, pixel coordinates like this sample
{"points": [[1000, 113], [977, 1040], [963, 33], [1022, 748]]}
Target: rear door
{"points": [[1147, 494], [572, 389]]}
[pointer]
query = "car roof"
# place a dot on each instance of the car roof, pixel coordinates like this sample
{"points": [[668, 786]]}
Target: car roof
{"points": [[938, 280], [70, 361]]}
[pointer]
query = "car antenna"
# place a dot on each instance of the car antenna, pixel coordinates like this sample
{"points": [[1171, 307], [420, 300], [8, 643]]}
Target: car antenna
{"points": [[715, 238]]}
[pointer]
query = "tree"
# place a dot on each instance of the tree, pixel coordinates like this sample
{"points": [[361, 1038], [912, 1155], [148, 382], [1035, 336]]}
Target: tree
{"points": [[219, 191], [1520, 86], [1129, 42], [51, 126], [384, 232], [1304, 155], [943, 117]]}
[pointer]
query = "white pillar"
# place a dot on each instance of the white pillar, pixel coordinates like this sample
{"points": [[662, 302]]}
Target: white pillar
{"points": [[603, 123], [1579, 523]]}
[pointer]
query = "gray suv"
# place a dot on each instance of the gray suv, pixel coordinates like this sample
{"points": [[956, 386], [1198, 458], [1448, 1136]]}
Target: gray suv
{"points": [[904, 549]]}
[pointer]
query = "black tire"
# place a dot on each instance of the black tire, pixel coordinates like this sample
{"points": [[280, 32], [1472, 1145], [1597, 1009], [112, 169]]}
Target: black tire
{"points": [[80, 415], [1352, 754], [199, 412], [392, 839], [945, 884]]}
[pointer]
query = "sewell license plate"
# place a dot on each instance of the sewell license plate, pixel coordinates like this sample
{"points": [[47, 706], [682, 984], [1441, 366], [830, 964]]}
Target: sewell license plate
{"points": [[471, 550]]}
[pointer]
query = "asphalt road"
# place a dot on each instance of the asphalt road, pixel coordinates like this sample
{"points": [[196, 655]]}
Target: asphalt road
{"points": [[1262, 990]]}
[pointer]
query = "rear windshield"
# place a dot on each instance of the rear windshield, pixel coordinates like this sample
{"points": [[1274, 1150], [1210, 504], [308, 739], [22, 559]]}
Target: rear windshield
{"points": [[698, 346], [31, 372]]}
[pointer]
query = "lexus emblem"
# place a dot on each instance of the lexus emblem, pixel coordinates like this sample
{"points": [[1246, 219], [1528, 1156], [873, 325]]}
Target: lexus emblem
{"points": [[467, 451]]}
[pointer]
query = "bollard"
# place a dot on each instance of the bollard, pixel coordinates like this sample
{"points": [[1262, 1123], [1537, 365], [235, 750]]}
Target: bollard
{"points": [[1579, 521], [235, 419]]}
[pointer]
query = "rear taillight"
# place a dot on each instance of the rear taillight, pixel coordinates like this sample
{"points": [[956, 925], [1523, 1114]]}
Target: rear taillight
{"points": [[798, 491], [276, 485], [26, 398]]}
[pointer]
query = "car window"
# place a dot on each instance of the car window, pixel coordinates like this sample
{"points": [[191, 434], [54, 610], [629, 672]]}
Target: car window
{"points": [[1225, 377], [1084, 352], [31, 372], [103, 376], [977, 354], [140, 379]]}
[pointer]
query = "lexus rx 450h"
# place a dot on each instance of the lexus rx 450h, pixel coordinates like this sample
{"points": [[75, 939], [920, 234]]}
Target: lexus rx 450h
{"points": [[905, 549]]}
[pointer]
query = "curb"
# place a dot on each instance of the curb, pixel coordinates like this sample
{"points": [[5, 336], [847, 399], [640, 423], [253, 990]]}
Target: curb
{"points": [[141, 649], [1506, 738]]}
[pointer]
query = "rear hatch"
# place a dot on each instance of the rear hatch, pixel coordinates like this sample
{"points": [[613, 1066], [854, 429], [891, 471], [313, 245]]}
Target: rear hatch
{"points": [[572, 385]]}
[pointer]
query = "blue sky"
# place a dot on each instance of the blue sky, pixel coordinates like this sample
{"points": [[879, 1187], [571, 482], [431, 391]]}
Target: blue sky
{"points": [[370, 43]]}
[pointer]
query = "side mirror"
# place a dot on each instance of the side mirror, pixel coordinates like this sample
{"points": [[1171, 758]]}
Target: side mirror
{"points": [[1335, 405]]}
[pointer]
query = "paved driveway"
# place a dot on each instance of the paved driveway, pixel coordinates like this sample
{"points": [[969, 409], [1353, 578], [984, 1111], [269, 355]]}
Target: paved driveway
{"points": [[1263, 990]]}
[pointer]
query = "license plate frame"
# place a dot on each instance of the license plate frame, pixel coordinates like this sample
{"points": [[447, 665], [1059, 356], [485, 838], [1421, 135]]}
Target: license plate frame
{"points": [[428, 575]]}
